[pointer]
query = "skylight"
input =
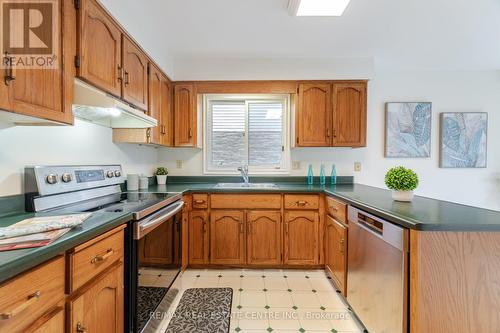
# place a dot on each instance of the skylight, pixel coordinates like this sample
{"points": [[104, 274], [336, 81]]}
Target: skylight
{"points": [[317, 7]]}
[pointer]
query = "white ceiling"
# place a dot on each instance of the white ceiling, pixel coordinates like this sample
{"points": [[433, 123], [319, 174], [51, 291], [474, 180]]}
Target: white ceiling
{"points": [[396, 34]]}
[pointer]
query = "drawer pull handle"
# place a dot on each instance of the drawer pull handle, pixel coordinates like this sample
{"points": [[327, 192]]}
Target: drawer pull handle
{"points": [[101, 258], [341, 245], [335, 209], [301, 203], [199, 202], [80, 328], [33, 298]]}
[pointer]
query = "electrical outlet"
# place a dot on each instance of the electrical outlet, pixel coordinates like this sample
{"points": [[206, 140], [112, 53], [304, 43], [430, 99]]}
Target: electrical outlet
{"points": [[296, 165], [178, 164], [357, 166]]}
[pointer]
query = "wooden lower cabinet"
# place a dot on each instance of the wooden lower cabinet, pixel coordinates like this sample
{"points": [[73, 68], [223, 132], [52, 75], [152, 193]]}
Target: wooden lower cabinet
{"points": [[153, 248], [227, 237], [335, 252], [99, 307], [301, 238], [54, 324], [198, 237], [264, 237]]}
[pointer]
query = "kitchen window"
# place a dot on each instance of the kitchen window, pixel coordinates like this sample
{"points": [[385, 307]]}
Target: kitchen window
{"points": [[246, 130]]}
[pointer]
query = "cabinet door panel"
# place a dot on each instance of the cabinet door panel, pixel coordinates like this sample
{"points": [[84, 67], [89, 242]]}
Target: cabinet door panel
{"points": [[227, 237], [301, 238], [198, 237], [100, 307], [264, 238], [167, 115], [99, 47], [135, 75], [155, 100], [335, 252], [313, 119], [45, 93], [185, 115], [349, 113]]}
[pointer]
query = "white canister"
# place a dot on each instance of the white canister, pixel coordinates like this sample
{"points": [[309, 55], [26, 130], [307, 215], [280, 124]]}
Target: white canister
{"points": [[132, 182], [143, 183]]}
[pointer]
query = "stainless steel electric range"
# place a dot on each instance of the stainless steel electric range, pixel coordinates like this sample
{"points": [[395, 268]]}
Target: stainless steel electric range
{"points": [[152, 238]]}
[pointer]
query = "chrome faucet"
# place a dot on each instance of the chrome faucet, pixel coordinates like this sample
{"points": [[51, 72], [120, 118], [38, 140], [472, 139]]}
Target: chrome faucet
{"points": [[244, 173]]}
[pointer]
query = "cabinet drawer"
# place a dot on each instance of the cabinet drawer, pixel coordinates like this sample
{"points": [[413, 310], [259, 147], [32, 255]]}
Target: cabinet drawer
{"points": [[246, 201], [93, 257], [301, 201], [337, 209], [27, 297], [200, 201]]}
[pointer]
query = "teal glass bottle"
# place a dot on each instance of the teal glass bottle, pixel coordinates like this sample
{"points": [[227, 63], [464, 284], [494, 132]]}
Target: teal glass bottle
{"points": [[310, 175], [322, 178], [333, 175]]}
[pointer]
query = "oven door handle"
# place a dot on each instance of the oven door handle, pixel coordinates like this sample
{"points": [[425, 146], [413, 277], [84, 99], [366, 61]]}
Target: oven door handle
{"points": [[149, 225]]}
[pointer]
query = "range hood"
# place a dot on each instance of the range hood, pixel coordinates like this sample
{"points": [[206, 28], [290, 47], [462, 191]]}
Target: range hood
{"points": [[96, 106]]}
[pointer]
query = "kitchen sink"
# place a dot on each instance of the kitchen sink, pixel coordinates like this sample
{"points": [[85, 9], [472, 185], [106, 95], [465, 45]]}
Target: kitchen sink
{"points": [[247, 185]]}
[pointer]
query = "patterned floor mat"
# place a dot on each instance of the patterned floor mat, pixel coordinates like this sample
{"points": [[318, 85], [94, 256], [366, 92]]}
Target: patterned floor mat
{"points": [[148, 299], [202, 310]]}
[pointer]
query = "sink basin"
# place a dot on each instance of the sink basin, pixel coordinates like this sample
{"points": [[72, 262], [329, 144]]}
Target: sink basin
{"points": [[249, 185]]}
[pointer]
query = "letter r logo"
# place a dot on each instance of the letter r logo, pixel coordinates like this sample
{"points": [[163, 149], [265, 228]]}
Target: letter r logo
{"points": [[27, 27]]}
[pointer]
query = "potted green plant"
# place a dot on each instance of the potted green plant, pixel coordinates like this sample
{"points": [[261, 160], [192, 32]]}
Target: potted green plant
{"points": [[402, 182], [161, 175]]}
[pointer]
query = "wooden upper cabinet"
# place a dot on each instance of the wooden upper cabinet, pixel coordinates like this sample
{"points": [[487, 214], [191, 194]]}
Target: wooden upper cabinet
{"points": [[167, 114], [313, 116], [349, 114], [155, 102], [99, 308], [198, 237], [335, 252], [185, 115], [301, 238], [264, 237], [45, 93], [227, 237], [135, 74], [99, 48]]}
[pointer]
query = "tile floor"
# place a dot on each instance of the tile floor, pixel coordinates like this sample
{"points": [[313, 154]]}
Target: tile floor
{"points": [[274, 300]]}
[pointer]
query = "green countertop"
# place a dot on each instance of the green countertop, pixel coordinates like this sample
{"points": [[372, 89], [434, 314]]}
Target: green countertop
{"points": [[423, 214], [18, 261]]}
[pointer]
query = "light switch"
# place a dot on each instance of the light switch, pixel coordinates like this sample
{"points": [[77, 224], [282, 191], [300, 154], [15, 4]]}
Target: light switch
{"points": [[296, 165], [357, 166]]}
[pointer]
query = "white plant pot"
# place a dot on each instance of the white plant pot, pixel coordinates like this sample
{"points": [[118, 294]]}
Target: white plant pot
{"points": [[161, 179], [405, 196]]}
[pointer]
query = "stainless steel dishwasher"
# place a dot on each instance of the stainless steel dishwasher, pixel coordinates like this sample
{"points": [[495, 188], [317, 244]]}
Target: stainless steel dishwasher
{"points": [[377, 273]]}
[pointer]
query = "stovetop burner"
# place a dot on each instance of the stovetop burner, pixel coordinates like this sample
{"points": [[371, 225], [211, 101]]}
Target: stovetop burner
{"points": [[140, 204]]}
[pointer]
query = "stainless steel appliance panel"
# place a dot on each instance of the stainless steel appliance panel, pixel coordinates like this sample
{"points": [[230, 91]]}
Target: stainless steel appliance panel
{"points": [[377, 278]]}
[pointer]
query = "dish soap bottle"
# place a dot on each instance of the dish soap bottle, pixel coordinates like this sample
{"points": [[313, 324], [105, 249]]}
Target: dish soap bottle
{"points": [[322, 179], [333, 175], [310, 176]]}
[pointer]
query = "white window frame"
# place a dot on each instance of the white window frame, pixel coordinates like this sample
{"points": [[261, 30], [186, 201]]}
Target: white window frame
{"points": [[256, 98]]}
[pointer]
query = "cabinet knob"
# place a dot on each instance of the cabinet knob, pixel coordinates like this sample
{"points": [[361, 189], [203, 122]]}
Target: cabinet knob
{"points": [[80, 328]]}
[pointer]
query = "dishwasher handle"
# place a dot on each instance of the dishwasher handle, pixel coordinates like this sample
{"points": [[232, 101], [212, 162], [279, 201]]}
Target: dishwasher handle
{"points": [[390, 233]]}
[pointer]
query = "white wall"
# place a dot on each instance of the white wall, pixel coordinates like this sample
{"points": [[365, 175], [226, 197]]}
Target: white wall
{"points": [[448, 91], [84, 143]]}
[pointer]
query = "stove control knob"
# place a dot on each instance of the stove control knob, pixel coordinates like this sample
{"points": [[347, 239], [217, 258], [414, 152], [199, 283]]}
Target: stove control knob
{"points": [[51, 179], [66, 177], [110, 174], [118, 173]]}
